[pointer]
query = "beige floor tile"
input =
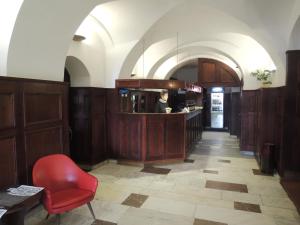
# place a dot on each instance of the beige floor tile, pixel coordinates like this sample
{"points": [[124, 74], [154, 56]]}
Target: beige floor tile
{"points": [[241, 197], [152, 217], [104, 210], [232, 217], [170, 206], [284, 203]]}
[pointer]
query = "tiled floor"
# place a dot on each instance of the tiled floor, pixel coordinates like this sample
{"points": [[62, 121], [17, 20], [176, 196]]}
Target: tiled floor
{"points": [[184, 195]]}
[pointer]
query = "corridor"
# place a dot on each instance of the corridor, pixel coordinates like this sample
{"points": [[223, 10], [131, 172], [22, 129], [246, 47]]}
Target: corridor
{"points": [[215, 186]]}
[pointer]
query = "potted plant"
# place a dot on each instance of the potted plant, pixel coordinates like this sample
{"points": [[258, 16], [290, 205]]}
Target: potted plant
{"points": [[264, 76]]}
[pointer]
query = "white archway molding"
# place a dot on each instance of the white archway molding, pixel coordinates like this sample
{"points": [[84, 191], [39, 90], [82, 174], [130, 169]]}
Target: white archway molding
{"points": [[192, 51], [186, 61], [42, 35], [295, 36], [159, 51], [293, 26], [79, 74], [169, 65]]}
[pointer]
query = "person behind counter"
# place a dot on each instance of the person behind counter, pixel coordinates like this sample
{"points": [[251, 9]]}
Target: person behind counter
{"points": [[162, 104]]}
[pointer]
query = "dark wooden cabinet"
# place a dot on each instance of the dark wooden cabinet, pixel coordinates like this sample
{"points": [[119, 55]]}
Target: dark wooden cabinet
{"points": [[88, 125], [33, 123]]}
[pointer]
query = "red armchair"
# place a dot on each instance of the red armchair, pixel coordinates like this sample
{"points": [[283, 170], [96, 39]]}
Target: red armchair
{"points": [[66, 185]]}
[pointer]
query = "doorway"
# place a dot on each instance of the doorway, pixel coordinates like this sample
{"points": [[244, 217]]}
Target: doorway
{"points": [[222, 109]]}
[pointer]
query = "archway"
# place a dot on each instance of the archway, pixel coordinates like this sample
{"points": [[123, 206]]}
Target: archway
{"points": [[79, 74], [221, 97]]}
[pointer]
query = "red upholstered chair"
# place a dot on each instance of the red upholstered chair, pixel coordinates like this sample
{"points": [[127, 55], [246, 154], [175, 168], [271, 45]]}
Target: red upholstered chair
{"points": [[66, 185]]}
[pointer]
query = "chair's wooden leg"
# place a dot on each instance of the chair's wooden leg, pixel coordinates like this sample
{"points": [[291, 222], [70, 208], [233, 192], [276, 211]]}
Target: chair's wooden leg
{"points": [[47, 217], [91, 210], [58, 219]]}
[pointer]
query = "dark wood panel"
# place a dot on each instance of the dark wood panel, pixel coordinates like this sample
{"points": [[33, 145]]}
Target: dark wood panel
{"points": [[248, 120], [88, 124], [290, 155], [42, 108], [7, 111], [174, 145], [135, 138], [227, 110], [40, 143], [209, 72], [155, 138], [235, 116], [123, 141], [215, 73], [8, 96], [25, 102], [8, 163]]}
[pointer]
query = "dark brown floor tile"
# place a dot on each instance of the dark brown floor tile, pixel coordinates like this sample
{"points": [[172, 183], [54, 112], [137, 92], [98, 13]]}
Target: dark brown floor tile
{"points": [[189, 161], [101, 222], [211, 171], [135, 200], [155, 170], [207, 222], [247, 207], [224, 161], [226, 186], [258, 172]]}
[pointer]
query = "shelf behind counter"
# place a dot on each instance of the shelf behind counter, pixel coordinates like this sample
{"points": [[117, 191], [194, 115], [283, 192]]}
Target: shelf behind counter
{"points": [[155, 137]]}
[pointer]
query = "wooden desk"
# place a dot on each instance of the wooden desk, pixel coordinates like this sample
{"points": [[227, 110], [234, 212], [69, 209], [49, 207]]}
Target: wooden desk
{"points": [[18, 207]]}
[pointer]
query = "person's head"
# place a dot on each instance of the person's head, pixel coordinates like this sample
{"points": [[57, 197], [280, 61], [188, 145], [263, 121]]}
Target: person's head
{"points": [[164, 95]]}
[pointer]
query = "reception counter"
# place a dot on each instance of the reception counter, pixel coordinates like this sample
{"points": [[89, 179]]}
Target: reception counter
{"points": [[154, 137]]}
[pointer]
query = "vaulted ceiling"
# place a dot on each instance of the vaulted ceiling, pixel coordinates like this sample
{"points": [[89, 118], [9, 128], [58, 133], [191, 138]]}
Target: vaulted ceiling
{"points": [[149, 38]]}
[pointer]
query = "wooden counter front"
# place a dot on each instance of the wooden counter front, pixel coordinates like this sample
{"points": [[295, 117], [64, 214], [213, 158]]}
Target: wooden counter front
{"points": [[147, 137]]}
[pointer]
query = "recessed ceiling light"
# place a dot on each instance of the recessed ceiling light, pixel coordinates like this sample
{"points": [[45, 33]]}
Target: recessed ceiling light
{"points": [[78, 37]]}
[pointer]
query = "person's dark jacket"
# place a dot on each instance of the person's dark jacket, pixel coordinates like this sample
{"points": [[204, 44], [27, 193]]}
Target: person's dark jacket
{"points": [[161, 106]]}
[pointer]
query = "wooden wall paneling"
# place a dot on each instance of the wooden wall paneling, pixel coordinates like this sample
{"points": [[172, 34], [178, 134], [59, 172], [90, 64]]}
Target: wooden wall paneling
{"points": [[279, 114], [98, 125], [45, 115], [39, 143], [9, 121], [155, 137], [235, 116], [174, 139], [88, 122], [123, 140], [290, 155], [113, 107], [135, 137], [227, 110], [8, 162], [248, 121], [28, 110]]}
